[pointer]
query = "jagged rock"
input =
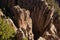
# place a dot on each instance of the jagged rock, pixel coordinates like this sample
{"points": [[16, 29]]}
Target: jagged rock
{"points": [[51, 31], [20, 34], [41, 16], [35, 14], [24, 22]]}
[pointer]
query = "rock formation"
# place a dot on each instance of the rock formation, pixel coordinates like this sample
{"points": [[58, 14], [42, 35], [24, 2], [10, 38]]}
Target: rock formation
{"points": [[41, 21], [23, 21], [51, 31], [40, 13]]}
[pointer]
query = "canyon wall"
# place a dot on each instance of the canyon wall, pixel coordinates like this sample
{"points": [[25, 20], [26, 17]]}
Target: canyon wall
{"points": [[33, 17]]}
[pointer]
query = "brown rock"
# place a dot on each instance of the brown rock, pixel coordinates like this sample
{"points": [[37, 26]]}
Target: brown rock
{"points": [[24, 21], [41, 19], [51, 31], [40, 14]]}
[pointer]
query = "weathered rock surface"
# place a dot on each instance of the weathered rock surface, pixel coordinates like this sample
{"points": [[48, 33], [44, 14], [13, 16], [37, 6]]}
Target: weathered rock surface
{"points": [[51, 30], [50, 34], [41, 16], [40, 21], [24, 22], [39, 10]]}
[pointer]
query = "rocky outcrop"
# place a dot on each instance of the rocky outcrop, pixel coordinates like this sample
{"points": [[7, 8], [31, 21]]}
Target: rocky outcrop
{"points": [[24, 22], [41, 15], [39, 10], [50, 33], [51, 30], [40, 21]]}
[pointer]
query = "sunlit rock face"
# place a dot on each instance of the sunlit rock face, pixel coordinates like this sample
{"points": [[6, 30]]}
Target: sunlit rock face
{"points": [[24, 22]]}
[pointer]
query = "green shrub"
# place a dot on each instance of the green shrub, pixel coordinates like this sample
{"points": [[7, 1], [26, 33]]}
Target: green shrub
{"points": [[25, 38], [6, 31]]}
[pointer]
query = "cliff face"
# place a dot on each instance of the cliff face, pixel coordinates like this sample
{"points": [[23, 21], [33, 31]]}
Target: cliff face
{"points": [[24, 22], [40, 14], [33, 17]]}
